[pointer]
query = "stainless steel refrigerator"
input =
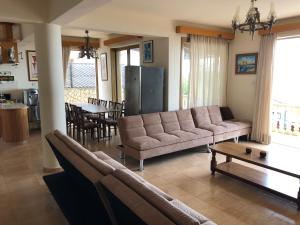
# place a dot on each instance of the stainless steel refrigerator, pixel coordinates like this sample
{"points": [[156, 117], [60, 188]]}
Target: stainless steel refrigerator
{"points": [[31, 99], [144, 90]]}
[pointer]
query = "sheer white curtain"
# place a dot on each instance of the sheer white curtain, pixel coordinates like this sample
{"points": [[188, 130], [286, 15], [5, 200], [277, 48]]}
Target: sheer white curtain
{"points": [[261, 128], [66, 50], [208, 74]]}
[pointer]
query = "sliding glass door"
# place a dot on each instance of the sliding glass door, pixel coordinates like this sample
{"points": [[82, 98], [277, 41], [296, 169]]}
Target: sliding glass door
{"points": [[125, 57], [285, 100]]}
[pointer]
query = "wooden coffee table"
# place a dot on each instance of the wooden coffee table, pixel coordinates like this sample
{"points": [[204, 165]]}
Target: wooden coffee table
{"points": [[284, 182]]}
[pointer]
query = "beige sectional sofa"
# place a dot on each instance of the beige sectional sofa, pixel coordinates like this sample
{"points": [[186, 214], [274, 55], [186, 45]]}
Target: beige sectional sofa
{"points": [[126, 197], [148, 135]]}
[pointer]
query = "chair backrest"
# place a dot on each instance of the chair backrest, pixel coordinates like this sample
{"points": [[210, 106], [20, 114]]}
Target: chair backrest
{"points": [[103, 103], [118, 112], [95, 101], [111, 105], [123, 107], [72, 112], [90, 100], [79, 116], [68, 112]]}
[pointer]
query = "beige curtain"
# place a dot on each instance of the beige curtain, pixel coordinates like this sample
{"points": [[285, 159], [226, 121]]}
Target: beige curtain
{"points": [[66, 50], [261, 130], [208, 74]]}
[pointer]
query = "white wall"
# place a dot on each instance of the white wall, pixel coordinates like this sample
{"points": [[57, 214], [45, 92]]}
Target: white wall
{"points": [[241, 88], [105, 89], [20, 71]]}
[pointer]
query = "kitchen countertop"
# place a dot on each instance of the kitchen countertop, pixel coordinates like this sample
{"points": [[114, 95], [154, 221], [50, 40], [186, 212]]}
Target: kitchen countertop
{"points": [[8, 106]]}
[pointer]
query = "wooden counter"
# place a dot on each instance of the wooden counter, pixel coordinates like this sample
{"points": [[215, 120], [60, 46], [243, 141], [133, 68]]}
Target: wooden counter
{"points": [[14, 122]]}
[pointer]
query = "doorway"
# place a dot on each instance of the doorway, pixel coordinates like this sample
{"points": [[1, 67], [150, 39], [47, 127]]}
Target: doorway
{"points": [[285, 98], [127, 56]]}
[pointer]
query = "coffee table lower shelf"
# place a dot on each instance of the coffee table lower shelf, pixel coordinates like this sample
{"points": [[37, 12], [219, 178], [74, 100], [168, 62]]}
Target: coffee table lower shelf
{"points": [[276, 183]]}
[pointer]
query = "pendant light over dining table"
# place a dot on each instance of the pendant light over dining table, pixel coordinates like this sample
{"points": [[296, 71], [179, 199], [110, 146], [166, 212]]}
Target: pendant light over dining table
{"points": [[88, 50]]}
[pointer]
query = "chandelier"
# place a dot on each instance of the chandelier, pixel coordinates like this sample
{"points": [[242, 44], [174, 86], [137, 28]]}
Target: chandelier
{"points": [[87, 50], [252, 22]]}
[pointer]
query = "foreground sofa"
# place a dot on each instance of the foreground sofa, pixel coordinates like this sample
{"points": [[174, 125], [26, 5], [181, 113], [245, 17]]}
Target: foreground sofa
{"points": [[149, 135], [95, 189]]}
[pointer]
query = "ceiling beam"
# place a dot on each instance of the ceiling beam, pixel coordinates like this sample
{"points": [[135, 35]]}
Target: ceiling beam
{"points": [[121, 39], [79, 41], [281, 28], [204, 32]]}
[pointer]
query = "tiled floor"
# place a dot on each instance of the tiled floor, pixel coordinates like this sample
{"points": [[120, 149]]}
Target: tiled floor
{"points": [[25, 200]]}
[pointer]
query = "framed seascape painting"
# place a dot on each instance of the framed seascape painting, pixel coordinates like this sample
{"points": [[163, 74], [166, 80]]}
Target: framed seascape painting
{"points": [[246, 63], [148, 51], [103, 65], [32, 65]]}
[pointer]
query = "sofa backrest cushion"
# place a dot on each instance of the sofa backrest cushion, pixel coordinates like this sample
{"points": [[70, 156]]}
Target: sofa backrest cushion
{"points": [[131, 127], [135, 202], [159, 201], [85, 154], [72, 161], [169, 121], [214, 114], [201, 116], [185, 119], [152, 124]]}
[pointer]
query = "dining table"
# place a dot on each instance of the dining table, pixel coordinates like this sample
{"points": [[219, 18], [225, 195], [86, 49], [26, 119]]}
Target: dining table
{"points": [[92, 108]]}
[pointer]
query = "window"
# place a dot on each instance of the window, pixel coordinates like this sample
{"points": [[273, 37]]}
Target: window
{"points": [[285, 99], [185, 74], [81, 72], [81, 80]]}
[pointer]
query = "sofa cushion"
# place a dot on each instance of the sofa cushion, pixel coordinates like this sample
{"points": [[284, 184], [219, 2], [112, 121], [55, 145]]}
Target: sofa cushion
{"points": [[110, 161], [185, 119], [200, 116], [229, 126], [143, 143], [184, 135], [131, 126], [201, 133], [162, 203], [136, 203], [226, 113], [169, 121], [200, 218], [152, 124], [85, 154], [241, 124], [166, 138], [214, 114], [215, 128]]}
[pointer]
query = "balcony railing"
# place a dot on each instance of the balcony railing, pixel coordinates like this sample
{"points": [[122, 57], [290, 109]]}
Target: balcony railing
{"points": [[286, 119]]}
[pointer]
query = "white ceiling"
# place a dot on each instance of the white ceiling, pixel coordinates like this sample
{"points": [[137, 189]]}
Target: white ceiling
{"points": [[208, 12]]}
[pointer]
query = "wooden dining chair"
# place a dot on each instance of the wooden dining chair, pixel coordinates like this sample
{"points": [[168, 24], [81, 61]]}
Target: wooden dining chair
{"points": [[84, 125], [95, 101], [123, 108], [112, 122], [90, 100], [68, 117], [73, 117], [103, 102]]}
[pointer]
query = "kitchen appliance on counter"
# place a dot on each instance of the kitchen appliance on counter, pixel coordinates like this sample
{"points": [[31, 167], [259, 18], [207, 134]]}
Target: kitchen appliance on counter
{"points": [[144, 90], [31, 99]]}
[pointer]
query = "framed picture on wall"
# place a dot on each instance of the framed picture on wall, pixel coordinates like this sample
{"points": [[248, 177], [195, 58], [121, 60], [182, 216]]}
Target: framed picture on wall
{"points": [[32, 65], [246, 63], [148, 51], [103, 65]]}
